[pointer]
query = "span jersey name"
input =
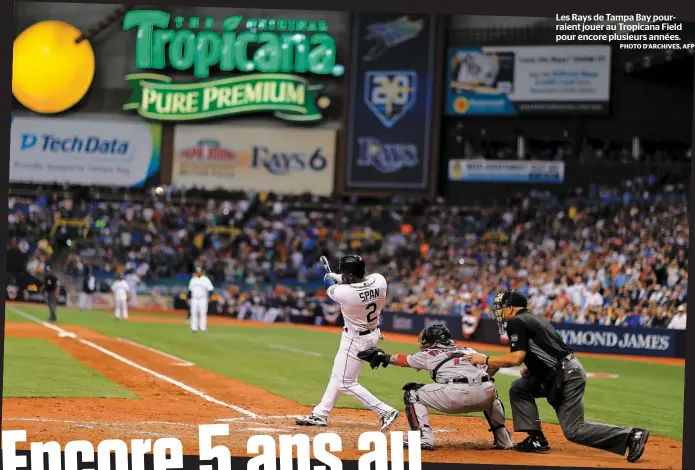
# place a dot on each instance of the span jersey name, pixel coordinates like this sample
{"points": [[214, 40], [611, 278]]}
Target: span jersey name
{"points": [[456, 368], [361, 303]]}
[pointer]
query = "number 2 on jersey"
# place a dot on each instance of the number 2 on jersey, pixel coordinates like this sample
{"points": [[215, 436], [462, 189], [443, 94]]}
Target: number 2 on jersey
{"points": [[371, 310]]}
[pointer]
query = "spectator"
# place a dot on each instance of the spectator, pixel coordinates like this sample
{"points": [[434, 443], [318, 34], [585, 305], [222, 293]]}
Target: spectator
{"points": [[678, 322], [587, 257]]}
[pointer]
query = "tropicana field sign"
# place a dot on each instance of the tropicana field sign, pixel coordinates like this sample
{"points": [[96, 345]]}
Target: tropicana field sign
{"points": [[274, 76]]}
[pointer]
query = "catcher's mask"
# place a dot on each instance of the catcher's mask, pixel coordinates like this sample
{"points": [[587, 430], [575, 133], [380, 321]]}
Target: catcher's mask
{"points": [[507, 298], [353, 268], [435, 335]]}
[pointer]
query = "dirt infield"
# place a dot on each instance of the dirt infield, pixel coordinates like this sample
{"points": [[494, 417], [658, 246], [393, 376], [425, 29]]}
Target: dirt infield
{"points": [[175, 397]]}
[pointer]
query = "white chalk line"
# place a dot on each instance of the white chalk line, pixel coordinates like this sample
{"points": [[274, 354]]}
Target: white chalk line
{"points": [[179, 362], [283, 417], [300, 351], [122, 359], [99, 423]]}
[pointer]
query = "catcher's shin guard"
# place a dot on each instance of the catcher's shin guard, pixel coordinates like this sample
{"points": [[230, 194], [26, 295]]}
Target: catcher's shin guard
{"points": [[418, 415], [495, 418], [410, 411], [408, 400]]}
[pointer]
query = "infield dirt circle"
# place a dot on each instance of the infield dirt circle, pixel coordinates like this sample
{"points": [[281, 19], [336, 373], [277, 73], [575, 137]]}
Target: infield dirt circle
{"points": [[165, 409]]}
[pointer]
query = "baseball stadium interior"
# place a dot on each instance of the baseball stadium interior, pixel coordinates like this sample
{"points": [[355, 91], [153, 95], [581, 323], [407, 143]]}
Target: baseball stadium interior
{"points": [[575, 195]]}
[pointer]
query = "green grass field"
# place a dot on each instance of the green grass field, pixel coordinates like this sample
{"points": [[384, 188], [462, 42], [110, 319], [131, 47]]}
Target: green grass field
{"points": [[276, 360], [36, 368]]}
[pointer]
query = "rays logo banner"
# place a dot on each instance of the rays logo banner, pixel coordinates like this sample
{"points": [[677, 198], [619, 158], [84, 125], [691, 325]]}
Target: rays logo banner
{"points": [[390, 95], [391, 100]]}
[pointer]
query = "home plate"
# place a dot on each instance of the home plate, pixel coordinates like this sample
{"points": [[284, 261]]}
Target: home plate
{"points": [[600, 375], [66, 334], [265, 430]]}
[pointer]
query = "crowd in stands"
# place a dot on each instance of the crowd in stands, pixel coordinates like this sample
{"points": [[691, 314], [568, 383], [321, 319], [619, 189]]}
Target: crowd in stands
{"points": [[609, 256], [465, 143]]}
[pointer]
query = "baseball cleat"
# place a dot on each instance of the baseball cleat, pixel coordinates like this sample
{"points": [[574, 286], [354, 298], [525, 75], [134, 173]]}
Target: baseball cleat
{"points": [[636, 444], [388, 419], [312, 420], [533, 445], [423, 445], [503, 444]]}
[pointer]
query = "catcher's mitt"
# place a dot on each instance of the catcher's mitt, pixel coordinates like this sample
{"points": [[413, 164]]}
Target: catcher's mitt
{"points": [[375, 357]]}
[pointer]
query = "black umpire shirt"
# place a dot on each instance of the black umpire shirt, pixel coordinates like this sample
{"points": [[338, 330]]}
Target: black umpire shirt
{"points": [[50, 283], [536, 336]]}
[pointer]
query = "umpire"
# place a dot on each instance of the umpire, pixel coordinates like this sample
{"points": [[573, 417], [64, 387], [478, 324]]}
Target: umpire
{"points": [[551, 372], [51, 289]]}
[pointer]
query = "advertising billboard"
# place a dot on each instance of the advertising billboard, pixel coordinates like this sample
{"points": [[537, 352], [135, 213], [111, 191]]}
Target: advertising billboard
{"points": [[84, 151], [283, 160], [519, 80]]}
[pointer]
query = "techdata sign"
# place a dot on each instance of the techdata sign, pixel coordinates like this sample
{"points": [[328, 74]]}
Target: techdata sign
{"points": [[269, 64], [391, 101], [84, 151]]}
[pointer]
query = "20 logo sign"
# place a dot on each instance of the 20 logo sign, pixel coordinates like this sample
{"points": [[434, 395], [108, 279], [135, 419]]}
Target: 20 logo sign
{"points": [[390, 94]]}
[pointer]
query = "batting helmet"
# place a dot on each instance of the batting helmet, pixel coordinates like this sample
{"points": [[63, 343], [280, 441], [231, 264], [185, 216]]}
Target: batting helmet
{"points": [[435, 334], [353, 265]]}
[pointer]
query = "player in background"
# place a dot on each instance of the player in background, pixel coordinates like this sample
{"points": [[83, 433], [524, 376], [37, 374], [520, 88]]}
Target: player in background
{"points": [[200, 288], [89, 286], [51, 288], [121, 291], [133, 280], [361, 298]]}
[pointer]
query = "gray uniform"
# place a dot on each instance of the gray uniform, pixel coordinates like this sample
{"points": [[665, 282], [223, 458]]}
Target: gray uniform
{"points": [[460, 387]]}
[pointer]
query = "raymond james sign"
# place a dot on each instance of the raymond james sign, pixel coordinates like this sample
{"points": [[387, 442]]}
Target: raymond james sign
{"points": [[617, 340], [272, 80]]}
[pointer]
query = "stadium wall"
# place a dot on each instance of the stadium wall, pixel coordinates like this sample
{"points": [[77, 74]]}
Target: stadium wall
{"points": [[576, 175], [654, 342], [610, 340]]}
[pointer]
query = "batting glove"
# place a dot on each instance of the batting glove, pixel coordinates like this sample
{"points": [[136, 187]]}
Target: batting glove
{"points": [[333, 278]]}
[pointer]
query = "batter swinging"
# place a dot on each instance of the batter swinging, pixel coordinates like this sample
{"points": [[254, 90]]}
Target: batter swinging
{"points": [[459, 386], [361, 299]]}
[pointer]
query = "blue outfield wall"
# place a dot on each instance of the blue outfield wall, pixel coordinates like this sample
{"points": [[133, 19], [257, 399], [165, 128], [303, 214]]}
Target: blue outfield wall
{"points": [[655, 342]]}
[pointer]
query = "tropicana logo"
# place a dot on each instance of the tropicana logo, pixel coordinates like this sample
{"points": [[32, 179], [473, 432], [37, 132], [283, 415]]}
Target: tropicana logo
{"points": [[284, 49]]}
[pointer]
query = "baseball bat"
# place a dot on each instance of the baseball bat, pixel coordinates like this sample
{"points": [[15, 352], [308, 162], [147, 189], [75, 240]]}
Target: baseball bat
{"points": [[326, 266]]}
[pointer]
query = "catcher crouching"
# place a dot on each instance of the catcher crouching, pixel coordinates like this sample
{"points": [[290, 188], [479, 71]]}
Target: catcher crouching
{"points": [[459, 386]]}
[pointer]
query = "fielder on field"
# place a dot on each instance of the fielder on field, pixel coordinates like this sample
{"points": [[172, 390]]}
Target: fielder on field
{"points": [[459, 386], [121, 291], [133, 280], [200, 288], [361, 298]]}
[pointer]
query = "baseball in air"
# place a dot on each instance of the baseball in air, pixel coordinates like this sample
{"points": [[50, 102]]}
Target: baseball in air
{"points": [[51, 72], [159, 191]]}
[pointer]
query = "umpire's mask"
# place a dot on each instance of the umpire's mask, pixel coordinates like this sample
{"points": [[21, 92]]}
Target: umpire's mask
{"points": [[507, 298]]}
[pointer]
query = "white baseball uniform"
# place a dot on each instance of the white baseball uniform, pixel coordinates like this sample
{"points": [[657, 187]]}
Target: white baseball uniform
{"points": [[133, 280], [361, 306], [120, 290], [200, 288]]}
